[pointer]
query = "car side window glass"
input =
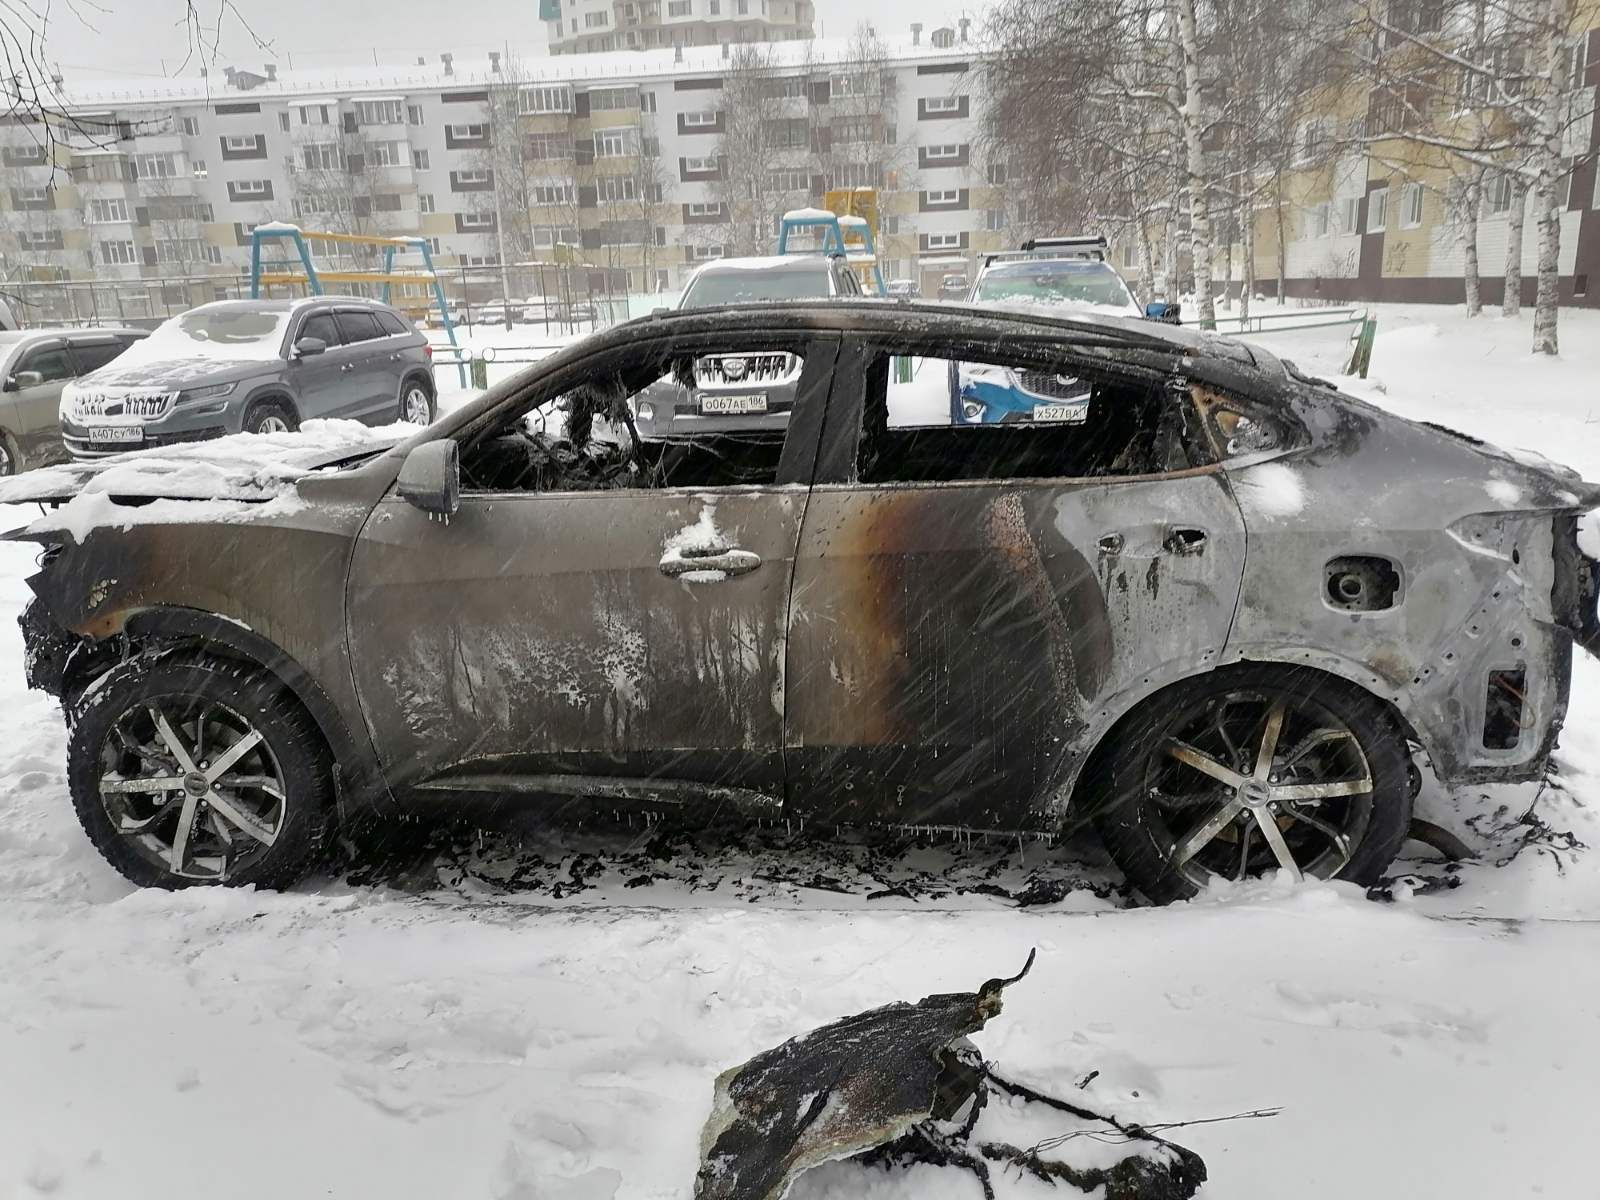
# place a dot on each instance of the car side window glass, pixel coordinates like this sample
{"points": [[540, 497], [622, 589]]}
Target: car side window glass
{"points": [[685, 420], [359, 326], [93, 356], [391, 324], [54, 363], [320, 325], [935, 419]]}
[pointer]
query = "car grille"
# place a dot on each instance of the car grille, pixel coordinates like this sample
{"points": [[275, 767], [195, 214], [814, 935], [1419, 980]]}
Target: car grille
{"points": [[146, 406], [745, 370], [1052, 386]]}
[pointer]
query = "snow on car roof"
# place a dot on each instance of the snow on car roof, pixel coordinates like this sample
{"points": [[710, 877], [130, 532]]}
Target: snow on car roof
{"points": [[770, 262]]}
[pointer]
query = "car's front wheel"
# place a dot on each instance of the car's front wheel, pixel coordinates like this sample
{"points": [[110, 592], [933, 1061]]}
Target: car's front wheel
{"points": [[10, 456], [186, 769], [1250, 771], [416, 402], [270, 416]]}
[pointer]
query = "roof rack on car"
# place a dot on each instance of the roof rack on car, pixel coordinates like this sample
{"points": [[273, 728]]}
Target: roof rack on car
{"points": [[1088, 246]]}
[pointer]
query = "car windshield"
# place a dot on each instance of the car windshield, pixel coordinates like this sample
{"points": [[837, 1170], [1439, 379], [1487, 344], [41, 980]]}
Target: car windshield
{"points": [[215, 333], [737, 286], [1054, 283]]}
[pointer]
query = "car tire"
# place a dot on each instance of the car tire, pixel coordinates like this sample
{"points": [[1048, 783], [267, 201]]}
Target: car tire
{"points": [[263, 820], [270, 416], [1173, 826], [417, 403], [10, 457]]}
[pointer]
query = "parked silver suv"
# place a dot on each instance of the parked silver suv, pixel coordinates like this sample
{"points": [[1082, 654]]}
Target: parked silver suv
{"points": [[253, 366]]}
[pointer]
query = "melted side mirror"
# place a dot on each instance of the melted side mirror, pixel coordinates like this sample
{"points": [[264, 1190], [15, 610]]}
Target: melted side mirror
{"points": [[430, 478], [308, 346]]}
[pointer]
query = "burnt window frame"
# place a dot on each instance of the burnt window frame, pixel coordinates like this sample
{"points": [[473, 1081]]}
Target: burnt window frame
{"points": [[797, 463], [846, 431]]}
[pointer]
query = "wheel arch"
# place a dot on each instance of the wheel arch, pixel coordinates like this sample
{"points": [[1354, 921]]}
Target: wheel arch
{"points": [[422, 375], [359, 782], [1079, 805], [271, 394]]}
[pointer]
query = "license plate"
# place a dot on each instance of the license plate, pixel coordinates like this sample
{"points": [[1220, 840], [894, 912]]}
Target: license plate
{"points": [[734, 405], [117, 433], [1066, 414]]}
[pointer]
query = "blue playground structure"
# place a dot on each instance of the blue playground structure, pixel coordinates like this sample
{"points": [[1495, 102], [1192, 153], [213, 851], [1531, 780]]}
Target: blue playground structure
{"points": [[837, 232]]}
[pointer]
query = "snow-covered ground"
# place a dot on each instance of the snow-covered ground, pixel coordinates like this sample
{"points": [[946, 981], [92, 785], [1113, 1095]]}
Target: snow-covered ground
{"points": [[542, 1016]]}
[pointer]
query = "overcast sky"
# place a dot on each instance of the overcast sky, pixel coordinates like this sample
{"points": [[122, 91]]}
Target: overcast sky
{"points": [[133, 37]]}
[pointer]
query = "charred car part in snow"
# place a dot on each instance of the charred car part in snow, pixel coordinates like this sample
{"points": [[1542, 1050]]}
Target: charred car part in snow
{"points": [[903, 1080], [1218, 617]]}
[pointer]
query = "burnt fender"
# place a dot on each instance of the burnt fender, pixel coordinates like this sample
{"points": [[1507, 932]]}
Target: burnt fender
{"points": [[361, 786]]}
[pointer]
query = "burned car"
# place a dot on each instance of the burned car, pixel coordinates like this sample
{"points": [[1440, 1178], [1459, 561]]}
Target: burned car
{"points": [[1222, 617]]}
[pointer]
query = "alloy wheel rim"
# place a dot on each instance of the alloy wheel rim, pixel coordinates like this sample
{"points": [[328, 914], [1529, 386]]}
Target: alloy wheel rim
{"points": [[1255, 780], [272, 424], [416, 406], [6, 464], [192, 786]]}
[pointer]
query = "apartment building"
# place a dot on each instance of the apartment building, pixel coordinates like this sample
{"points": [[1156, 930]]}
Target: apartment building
{"points": [[619, 157], [1383, 221], [593, 26]]}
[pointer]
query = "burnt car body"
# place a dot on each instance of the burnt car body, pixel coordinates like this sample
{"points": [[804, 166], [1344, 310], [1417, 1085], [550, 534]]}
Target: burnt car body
{"points": [[1217, 617]]}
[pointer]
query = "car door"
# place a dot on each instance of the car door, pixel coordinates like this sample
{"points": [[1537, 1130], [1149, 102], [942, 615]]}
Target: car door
{"points": [[372, 374], [971, 600], [36, 409], [624, 641], [320, 381]]}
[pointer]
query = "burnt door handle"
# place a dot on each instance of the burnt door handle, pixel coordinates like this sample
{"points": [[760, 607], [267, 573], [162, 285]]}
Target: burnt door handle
{"points": [[711, 565], [1111, 543], [1185, 541]]}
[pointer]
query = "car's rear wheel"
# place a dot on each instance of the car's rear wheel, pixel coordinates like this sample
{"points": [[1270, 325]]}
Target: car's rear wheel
{"points": [[270, 416], [416, 402], [10, 456], [191, 770], [1250, 771]]}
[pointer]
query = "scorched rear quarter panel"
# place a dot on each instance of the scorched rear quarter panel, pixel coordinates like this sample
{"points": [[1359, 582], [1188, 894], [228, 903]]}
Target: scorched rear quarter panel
{"points": [[956, 648]]}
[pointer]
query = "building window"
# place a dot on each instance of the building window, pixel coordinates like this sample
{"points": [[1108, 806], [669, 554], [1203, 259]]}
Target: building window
{"points": [[386, 154], [1377, 210], [543, 146], [647, 102], [946, 151], [934, 199], [419, 160], [1349, 214], [612, 188], [853, 129], [788, 181], [250, 189], [191, 126], [700, 120], [942, 104], [31, 198], [944, 241], [994, 220], [160, 166], [24, 156], [596, 20], [471, 181], [322, 156], [620, 99], [381, 112], [314, 114], [198, 169], [475, 220], [121, 253], [424, 202], [678, 8], [545, 99], [35, 239], [413, 114], [1317, 220], [476, 132], [694, 166], [102, 211], [1411, 206], [545, 236], [703, 211], [996, 174], [613, 143], [865, 174], [551, 191], [891, 224], [283, 121], [704, 253]]}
